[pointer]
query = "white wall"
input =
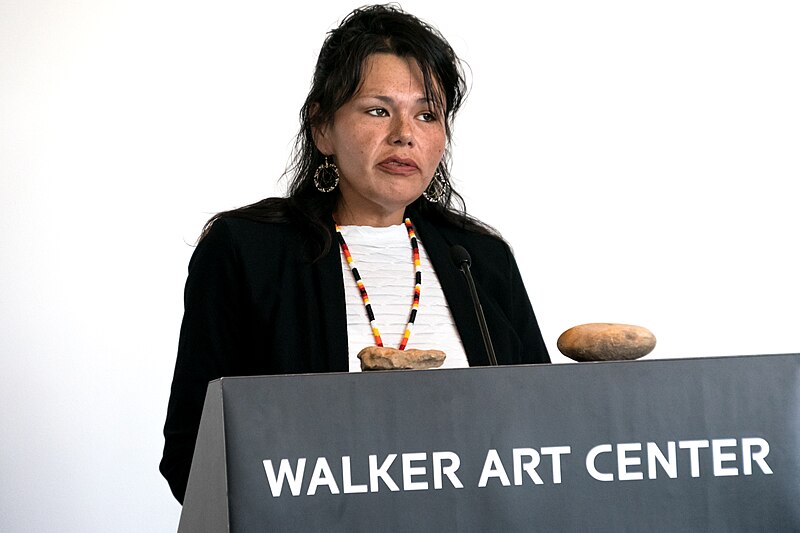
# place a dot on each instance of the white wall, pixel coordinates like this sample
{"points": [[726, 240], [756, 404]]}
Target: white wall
{"points": [[639, 156]]}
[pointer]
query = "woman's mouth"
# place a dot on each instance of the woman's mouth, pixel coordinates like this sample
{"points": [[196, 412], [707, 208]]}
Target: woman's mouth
{"points": [[398, 165]]}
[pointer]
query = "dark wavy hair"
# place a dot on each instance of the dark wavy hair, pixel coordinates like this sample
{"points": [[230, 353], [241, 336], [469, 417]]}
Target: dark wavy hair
{"points": [[337, 77]]}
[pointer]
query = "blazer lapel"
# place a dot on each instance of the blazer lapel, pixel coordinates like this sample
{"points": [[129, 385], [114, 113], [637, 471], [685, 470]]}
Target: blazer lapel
{"points": [[332, 308], [455, 289]]}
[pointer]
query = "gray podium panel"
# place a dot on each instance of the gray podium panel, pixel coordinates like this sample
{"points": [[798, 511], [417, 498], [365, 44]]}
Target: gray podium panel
{"points": [[667, 445]]}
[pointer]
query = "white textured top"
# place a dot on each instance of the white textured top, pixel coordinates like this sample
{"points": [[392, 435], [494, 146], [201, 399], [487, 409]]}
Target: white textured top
{"points": [[383, 258]]}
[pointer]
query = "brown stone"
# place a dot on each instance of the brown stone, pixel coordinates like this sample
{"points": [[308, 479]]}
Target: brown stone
{"points": [[383, 358], [606, 342]]}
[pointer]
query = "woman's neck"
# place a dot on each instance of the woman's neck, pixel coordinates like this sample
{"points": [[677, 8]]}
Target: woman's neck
{"points": [[348, 217]]}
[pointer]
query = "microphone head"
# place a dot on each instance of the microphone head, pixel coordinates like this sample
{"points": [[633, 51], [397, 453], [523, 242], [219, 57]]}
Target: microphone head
{"points": [[459, 255]]}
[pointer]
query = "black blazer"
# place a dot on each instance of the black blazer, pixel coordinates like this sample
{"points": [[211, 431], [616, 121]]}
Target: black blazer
{"points": [[254, 305]]}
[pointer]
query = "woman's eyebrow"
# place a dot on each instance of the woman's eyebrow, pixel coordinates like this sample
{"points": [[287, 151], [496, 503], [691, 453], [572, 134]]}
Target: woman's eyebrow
{"points": [[390, 100]]}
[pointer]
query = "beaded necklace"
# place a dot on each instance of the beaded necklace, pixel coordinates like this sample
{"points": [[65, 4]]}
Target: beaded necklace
{"points": [[363, 290]]}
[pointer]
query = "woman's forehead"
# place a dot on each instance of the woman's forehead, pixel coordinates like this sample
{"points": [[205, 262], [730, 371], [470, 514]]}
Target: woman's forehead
{"points": [[389, 73]]}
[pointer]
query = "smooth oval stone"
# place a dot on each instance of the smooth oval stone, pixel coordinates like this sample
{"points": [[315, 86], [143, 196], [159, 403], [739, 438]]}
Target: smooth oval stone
{"points": [[606, 342]]}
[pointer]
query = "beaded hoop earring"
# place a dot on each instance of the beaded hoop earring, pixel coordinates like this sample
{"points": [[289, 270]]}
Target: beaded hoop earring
{"points": [[437, 188], [326, 177]]}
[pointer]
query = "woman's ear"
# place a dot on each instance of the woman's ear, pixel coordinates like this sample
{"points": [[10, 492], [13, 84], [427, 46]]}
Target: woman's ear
{"points": [[320, 132], [322, 140]]}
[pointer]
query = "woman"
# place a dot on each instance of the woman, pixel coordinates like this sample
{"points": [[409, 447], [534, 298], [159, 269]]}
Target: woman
{"points": [[271, 286]]}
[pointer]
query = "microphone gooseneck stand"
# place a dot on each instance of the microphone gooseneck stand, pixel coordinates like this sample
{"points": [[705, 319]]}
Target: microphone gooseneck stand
{"points": [[462, 261]]}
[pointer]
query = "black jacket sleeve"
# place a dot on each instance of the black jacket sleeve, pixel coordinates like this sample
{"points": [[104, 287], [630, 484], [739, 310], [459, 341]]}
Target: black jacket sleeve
{"points": [[209, 341]]}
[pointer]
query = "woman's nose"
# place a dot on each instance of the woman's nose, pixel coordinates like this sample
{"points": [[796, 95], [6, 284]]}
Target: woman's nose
{"points": [[402, 133]]}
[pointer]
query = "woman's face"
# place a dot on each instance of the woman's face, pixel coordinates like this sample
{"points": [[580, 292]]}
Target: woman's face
{"points": [[387, 142]]}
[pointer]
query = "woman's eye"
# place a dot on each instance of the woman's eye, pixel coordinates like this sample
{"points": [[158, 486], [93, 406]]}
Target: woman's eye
{"points": [[378, 112], [428, 117]]}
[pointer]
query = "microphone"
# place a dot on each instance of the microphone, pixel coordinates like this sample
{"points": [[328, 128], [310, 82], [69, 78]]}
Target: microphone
{"points": [[462, 261]]}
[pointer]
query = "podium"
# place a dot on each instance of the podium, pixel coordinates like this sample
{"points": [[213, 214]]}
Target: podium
{"points": [[710, 444]]}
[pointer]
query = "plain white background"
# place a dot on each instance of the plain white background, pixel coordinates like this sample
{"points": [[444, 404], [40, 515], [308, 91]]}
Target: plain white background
{"points": [[641, 158]]}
